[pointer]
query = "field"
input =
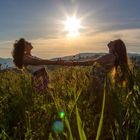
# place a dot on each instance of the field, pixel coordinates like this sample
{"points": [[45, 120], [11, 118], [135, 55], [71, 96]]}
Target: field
{"points": [[68, 110]]}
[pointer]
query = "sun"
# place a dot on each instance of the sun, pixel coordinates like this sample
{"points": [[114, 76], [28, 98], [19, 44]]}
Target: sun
{"points": [[72, 26]]}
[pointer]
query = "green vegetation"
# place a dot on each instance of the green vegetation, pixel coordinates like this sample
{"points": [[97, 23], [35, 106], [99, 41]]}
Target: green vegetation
{"points": [[67, 110]]}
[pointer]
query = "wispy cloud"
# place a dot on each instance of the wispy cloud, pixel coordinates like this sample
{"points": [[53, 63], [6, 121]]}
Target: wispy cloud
{"points": [[6, 42], [62, 46], [95, 43]]}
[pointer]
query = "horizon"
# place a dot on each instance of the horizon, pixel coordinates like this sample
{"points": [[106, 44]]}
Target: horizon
{"points": [[129, 53], [43, 24]]}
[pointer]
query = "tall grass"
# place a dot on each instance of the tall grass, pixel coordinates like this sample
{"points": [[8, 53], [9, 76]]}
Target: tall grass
{"points": [[27, 114], [102, 114]]}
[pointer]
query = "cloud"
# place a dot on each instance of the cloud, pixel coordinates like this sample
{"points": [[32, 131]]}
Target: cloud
{"points": [[6, 42], [62, 46], [94, 43]]}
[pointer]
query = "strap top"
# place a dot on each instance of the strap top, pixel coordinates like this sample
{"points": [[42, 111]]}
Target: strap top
{"points": [[31, 68], [40, 77], [101, 70]]}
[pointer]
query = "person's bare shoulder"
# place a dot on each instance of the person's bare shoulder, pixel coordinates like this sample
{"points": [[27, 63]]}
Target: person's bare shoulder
{"points": [[108, 58], [30, 60]]}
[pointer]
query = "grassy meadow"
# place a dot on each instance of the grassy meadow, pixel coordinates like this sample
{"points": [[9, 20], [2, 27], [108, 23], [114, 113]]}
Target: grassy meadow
{"points": [[68, 110]]}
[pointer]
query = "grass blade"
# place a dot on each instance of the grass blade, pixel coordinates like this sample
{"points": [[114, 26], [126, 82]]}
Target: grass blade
{"points": [[102, 115], [69, 129], [80, 128]]}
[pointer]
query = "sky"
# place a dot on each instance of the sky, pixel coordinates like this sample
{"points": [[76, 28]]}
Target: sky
{"points": [[41, 22]]}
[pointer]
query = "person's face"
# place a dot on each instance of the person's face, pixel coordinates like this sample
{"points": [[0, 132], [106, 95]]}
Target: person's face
{"points": [[28, 46], [111, 46]]}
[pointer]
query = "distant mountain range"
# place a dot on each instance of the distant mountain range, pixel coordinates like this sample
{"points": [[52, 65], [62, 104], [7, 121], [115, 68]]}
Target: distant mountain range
{"points": [[80, 56], [6, 63], [85, 56]]}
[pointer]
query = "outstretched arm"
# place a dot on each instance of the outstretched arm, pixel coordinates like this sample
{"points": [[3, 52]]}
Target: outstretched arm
{"points": [[83, 63], [31, 60], [104, 60]]}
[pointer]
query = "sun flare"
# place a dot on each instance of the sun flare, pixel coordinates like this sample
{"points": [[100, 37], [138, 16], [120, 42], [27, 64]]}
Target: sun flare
{"points": [[72, 26]]}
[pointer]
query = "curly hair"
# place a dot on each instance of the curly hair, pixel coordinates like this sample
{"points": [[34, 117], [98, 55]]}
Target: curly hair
{"points": [[18, 52]]}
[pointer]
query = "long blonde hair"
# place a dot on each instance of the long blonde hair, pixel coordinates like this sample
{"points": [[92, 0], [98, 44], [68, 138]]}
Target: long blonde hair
{"points": [[120, 52]]}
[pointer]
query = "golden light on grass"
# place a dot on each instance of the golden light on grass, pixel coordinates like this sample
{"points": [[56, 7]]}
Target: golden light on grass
{"points": [[113, 75], [72, 26], [124, 83]]}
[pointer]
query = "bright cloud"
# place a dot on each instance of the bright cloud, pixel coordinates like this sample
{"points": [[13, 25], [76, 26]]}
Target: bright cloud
{"points": [[49, 48]]}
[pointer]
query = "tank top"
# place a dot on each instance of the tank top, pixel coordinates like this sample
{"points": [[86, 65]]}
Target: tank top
{"points": [[101, 71]]}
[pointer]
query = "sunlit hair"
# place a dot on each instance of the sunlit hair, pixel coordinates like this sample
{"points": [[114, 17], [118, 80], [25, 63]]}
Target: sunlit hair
{"points": [[119, 50], [18, 52]]}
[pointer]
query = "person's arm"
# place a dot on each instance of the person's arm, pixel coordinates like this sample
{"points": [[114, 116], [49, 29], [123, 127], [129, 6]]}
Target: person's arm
{"points": [[31, 60], [83, 63], [106, 59]]}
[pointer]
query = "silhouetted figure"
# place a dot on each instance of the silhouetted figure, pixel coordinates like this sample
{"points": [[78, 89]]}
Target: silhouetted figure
{"points": [[115, 60], [111, 69], [22, 57]]}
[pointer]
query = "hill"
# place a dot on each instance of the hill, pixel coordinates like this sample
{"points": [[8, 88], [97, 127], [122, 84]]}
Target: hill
{"points": [[84, 56], [8, 62]]}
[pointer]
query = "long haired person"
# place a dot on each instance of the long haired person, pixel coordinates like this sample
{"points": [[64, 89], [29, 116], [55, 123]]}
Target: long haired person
{"points": [[22, 57], [109, 73]]}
